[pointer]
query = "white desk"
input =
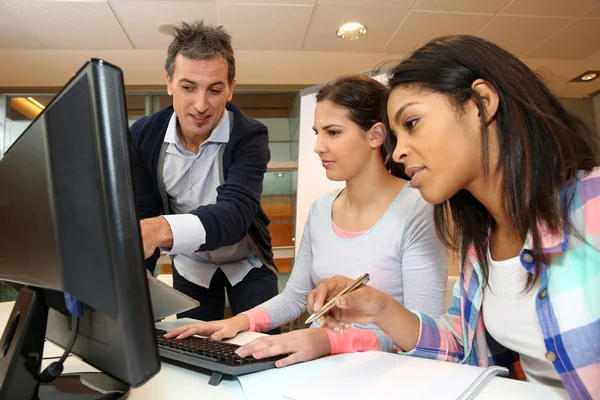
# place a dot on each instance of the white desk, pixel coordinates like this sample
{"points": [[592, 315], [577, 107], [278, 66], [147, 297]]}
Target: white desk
{"points": [[173, 382]]}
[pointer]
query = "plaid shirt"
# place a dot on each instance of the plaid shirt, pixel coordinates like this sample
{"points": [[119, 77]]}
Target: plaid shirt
{"points": [[567, 304]]}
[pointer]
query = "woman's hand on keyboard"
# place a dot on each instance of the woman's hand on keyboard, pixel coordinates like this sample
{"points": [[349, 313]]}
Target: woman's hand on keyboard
{"points": [[301, 345], [216, 330]]}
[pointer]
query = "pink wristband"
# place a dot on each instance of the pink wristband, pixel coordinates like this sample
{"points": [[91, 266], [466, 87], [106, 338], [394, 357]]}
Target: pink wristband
{"points": [[352, 340], [259, 319]]}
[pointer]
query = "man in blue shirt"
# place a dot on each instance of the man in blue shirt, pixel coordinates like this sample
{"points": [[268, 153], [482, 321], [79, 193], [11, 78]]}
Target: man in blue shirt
{"points": [[198, 170]]}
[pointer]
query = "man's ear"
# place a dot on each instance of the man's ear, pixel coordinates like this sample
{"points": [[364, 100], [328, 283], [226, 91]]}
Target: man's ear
{"points": [[231, 88], [169, 84]]}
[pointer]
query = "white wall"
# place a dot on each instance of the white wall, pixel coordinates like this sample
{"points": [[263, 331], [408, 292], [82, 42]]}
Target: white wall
{"points": [[13, 130], [312, 181]]}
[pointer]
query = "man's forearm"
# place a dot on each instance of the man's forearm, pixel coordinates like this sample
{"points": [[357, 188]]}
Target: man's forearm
{"points": [[164, 235], [156, 232]]}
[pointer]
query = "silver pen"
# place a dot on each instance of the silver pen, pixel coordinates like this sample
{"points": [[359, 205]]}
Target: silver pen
{"points": [[358, 282]]}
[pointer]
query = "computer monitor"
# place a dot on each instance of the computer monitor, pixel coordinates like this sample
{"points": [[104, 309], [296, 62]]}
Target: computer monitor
{"points": [[69, 225]]}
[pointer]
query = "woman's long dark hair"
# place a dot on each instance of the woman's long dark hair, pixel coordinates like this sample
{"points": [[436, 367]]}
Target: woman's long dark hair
{"points": [[541, 144], [364, 99]]}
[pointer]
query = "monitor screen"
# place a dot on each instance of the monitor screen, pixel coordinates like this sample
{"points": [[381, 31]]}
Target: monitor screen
{"points": [[69, 224]]}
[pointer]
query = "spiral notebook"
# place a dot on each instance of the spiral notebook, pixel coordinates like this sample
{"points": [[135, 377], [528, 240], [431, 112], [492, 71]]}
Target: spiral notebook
{"points": [[387, 376]]}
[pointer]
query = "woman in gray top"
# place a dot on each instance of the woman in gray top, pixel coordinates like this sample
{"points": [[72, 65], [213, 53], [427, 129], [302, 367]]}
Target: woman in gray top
{"points": [[377, 224]]}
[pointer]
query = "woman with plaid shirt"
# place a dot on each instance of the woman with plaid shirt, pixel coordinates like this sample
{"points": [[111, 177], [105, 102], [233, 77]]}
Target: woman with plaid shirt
{"points": [[514, 180]]}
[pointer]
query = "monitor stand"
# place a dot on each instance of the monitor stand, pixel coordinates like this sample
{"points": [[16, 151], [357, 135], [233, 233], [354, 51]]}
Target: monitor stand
{"points": [[84, 386], [21, 349]]}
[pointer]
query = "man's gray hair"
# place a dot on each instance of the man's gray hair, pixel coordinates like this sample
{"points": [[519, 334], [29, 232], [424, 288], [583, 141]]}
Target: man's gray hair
{"points": [[196, 40]]}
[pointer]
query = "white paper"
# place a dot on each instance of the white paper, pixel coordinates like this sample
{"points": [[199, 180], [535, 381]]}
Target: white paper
{"points": [[271, 384], [379, 375]]}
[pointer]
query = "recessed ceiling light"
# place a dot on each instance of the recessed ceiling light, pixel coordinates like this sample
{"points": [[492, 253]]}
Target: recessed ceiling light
{"points": [[167, 28], [587, 76], [351, 31]]}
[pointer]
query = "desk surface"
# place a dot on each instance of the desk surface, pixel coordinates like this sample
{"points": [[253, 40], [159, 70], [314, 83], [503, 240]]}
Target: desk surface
{"points": [[175, 382]]}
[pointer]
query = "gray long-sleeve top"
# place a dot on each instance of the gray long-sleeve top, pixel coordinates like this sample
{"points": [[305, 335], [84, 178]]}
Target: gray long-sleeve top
{"points": [[401, 253]]}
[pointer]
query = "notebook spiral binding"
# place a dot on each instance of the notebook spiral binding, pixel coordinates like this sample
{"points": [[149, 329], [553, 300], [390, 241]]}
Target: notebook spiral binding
{"points": [[482, 380]]}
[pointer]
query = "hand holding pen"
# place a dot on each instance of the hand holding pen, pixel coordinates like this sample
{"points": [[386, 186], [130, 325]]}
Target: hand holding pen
{"points": [[357, 283], [362, 305], [365, 305]]}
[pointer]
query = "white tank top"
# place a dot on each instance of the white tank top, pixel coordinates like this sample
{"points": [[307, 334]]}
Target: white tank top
{"points": [[510, 317]]}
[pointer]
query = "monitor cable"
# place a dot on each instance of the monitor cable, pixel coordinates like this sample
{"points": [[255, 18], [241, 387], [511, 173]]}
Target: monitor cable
{"points": [[54, 370]]}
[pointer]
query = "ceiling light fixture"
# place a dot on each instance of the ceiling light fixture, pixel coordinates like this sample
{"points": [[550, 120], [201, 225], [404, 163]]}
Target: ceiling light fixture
{"points": [[587, 76], [37, 103], [351, 31]]}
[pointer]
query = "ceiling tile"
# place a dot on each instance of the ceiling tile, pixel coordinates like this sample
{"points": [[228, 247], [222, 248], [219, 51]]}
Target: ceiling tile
{"points": [[558, 8], [473, 6], [578, 40], [141, 19], [593, 60], [380, 23], [594, 12], [421, 26], [519, 34], [265, 27], [14, 34], [369, 3], [83, 25]]}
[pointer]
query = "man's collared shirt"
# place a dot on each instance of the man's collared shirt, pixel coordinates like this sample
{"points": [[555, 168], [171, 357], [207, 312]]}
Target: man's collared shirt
{"points": [[191, 180]]}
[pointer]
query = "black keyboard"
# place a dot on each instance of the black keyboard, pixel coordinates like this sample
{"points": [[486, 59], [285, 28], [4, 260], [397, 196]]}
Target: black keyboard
{"points": [[216, 356]]}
